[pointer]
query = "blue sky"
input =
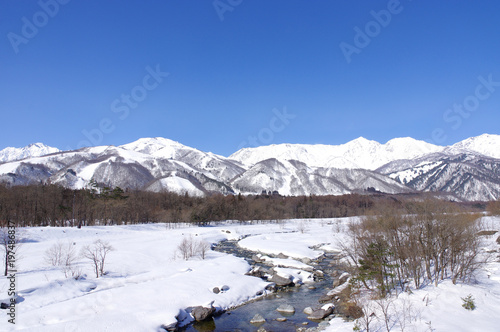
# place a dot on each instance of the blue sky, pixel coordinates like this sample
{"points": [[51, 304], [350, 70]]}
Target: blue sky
{"points": [[220, 75]]}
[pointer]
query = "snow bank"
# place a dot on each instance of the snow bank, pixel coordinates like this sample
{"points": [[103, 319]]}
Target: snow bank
{"points": [[294, 241], [147, 285]]}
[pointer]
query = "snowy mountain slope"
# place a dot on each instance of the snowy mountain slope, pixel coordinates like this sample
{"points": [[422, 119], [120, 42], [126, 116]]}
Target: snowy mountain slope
{"points": [[486, 144], [175, 184], [161, 148], [404, 164], [468, 176], [126, 168], [296, 178], [32, 150], [359, 153]]}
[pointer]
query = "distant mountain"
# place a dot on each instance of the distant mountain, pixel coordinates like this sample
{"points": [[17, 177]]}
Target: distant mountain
{"points": [[486, 144], [162, 148], [467, 176], [295, 178], [359, 153], [468, 170], [154, 164], [32, 150]]}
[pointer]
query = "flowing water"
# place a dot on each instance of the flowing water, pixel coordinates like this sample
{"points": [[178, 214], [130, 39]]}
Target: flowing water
{"points": [[238, 319]]}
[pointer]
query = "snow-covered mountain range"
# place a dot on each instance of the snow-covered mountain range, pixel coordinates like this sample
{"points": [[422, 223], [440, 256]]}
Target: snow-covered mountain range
{"points": [[468, 170], [32, 150], [359, 153]]}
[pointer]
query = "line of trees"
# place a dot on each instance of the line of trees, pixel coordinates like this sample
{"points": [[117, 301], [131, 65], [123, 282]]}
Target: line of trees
{"points": [[52, 205]]}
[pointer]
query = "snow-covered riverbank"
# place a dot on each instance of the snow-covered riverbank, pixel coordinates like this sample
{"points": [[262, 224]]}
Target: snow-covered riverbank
{"points": [[148, 284]]}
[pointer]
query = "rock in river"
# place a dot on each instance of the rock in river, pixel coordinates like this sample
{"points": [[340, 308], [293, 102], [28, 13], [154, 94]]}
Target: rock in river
{"points": [[280, 281], [286, 308], [258, 319]]}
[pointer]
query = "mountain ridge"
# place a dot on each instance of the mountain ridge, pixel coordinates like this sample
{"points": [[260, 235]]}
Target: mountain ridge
{"points": [[468, 169], [29, 151]]}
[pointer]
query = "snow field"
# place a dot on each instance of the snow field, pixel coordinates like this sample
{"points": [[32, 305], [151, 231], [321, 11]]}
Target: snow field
{"points": [[146, 286], [149, 285]]}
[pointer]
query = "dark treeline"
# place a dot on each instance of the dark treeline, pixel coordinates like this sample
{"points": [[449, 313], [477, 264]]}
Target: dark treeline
{"points": [[52, 205]]}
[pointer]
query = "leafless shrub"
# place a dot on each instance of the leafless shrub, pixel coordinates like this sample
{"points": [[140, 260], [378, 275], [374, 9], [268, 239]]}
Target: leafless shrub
{"points": [[368, 309], [202, 248], [68, 266], [302, 227], [53, 255], [191, 247], [428, 243], [63, 256], [406, 314], [97, 253], [337, 228], [386, 305], [186, 248]]}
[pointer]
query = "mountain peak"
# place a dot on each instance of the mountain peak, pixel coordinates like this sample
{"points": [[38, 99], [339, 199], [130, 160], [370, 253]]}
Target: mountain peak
{"points": [[150, 145], [37, 145], [402, 140], [155, 140], [409, 143], [29, 151], [362, 140], [486, 144]]}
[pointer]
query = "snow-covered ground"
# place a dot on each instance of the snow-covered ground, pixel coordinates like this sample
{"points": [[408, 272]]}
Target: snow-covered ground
{"points": [[148, 284]]}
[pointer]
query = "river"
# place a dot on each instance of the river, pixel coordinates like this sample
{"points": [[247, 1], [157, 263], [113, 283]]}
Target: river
{"points": [[307, 295]]}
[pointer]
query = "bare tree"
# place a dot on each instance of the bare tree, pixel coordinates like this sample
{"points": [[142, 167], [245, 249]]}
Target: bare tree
{"points": [[53, 255], [302, 227], [97, 253], [429, 242], [186, 248], [63, 256], [68, 262], [368, 310], [386, 304], [189, 247], [10, 241], [202, 248]]}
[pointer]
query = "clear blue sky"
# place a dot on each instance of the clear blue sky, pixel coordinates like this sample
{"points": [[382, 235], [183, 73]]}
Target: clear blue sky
{"points": [[85, 67]]}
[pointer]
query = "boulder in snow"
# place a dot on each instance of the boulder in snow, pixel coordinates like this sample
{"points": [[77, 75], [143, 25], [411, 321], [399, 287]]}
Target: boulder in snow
{"points": [[280, 280], [319, 314], [202, 313]]}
